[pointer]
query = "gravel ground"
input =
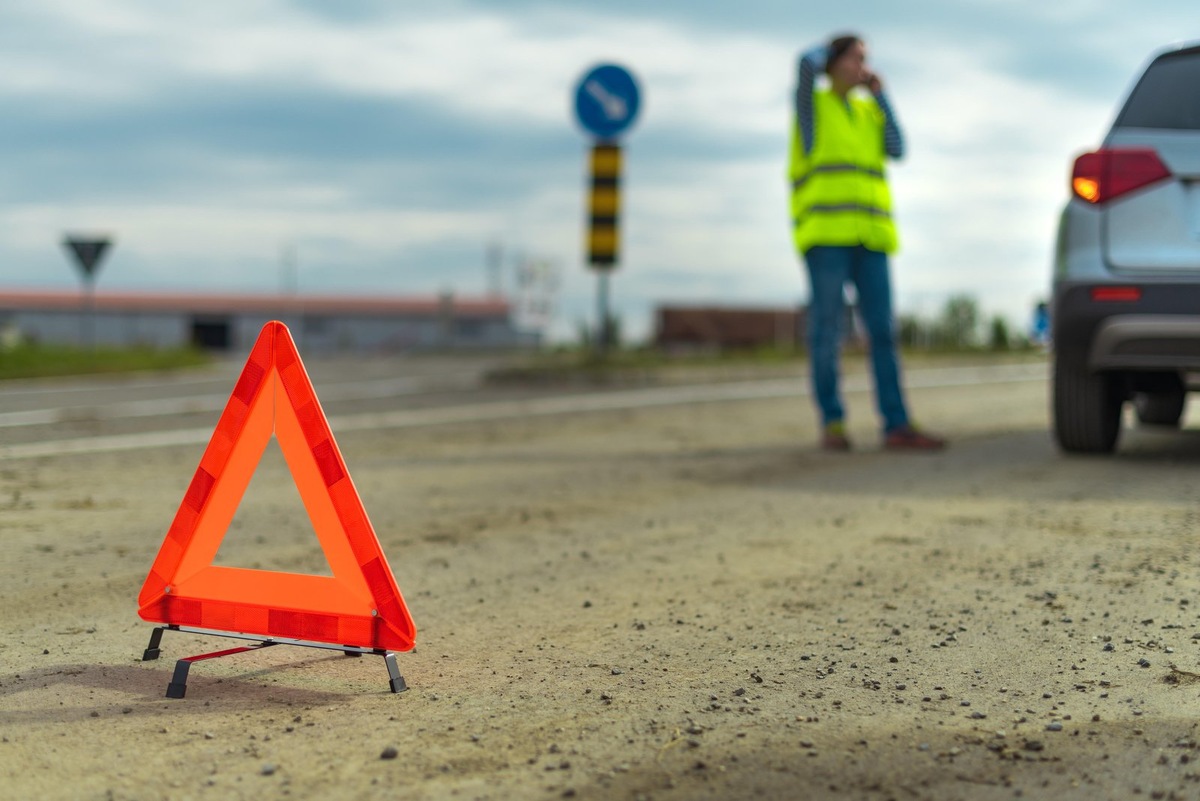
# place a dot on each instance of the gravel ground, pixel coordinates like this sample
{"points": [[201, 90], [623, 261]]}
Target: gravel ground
{"points": [[682, 602]]}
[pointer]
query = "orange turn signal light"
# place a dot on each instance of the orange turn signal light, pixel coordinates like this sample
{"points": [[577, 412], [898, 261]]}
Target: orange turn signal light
{"points": [[1086, 188]]}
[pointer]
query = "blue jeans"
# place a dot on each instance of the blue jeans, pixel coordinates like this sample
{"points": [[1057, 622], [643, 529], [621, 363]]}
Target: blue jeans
{"points": [[829, 269]]}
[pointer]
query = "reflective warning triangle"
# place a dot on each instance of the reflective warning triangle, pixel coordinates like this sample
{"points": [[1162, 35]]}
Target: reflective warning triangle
{"points": [[358, 605]]}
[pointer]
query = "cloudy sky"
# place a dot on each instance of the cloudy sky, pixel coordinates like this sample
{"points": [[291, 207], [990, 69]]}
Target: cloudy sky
{"points": [[386, 144]]}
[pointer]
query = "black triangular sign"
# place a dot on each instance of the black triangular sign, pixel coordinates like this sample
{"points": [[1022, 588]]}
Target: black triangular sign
{"points": [[88, 252]]}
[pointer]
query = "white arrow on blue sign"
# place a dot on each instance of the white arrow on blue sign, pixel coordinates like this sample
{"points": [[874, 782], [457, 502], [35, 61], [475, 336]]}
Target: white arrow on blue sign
{"points": [[606, 101]]}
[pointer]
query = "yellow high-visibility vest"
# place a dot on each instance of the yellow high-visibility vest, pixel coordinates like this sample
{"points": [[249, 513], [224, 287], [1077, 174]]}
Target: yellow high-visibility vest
{"points": [[840, 194]]}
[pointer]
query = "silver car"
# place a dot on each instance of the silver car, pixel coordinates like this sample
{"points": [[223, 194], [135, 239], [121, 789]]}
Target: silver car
{"points": [[1126, 300]]}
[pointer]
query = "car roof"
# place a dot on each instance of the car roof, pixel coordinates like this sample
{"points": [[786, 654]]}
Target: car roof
{"points": [[1179, 49]]}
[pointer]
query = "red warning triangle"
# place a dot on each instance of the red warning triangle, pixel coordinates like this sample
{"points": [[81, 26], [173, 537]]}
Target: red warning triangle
{"points": [[358, 605]]}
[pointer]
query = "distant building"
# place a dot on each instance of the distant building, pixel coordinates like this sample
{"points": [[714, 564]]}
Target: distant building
{"points": [[727, 327], [319, 323]]}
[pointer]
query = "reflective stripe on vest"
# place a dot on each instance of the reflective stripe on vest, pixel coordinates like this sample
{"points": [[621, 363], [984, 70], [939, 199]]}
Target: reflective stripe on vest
{"points": [[840, 194], [799, 182]]}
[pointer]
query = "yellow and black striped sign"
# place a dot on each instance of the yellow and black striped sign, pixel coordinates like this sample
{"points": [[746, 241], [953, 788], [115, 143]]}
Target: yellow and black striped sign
{"points": [[605, 206]]}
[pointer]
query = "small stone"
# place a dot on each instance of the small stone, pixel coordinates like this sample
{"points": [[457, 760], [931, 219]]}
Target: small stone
{"points": [[1108, 646], [1144, 662], [268, 769], [587, 604], [1033, 745], [95, 714], [617, 671], [1054, 725]]}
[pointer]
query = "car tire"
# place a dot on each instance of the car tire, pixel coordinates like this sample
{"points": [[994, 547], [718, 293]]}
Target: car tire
{"points": [[1161, 408], [1087, 409]]}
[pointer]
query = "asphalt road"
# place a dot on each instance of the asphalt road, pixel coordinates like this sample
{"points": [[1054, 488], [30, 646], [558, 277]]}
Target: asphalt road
{"points": [[96, 414]]}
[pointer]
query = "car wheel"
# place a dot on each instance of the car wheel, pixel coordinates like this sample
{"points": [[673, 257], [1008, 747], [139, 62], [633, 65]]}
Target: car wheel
{"points": [[1087, 409], [1161, 408]]}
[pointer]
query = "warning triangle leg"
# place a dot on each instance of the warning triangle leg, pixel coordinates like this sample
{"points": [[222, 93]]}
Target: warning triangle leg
{"points": [[178, 686]]}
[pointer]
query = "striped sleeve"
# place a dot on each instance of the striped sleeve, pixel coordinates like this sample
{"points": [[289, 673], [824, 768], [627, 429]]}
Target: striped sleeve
{"points": [[812, 62], [893, 140]]}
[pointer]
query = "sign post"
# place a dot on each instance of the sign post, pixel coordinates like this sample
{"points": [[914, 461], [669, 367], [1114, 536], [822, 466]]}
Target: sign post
{"points": [[606, 103], [88, 252]]}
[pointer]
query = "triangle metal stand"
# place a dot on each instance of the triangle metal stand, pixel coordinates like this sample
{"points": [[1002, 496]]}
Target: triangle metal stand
{"points": [[178, 686]]}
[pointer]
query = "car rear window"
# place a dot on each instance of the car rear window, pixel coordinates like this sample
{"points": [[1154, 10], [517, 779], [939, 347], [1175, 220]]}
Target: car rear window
{"points": [[1167, 96]]}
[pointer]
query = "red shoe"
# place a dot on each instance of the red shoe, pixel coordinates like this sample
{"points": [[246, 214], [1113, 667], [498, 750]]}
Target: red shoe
{"points": [[908, 438], [833, 437]]}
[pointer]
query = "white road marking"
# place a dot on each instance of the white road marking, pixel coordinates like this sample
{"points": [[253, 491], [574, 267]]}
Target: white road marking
{"points": [[541, 407], [199, 404]]}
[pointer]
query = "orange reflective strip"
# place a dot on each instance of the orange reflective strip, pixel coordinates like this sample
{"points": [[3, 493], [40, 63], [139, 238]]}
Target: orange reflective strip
{"points": [[249, 382], [198, 490], [328, 463]]}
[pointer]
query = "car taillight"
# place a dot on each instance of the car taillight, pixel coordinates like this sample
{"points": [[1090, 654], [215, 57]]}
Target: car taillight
{"points": [[1116, 294], [1104, 174]]}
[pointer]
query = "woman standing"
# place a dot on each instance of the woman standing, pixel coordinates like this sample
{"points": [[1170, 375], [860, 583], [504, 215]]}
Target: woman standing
{"points": [[842, 224]]}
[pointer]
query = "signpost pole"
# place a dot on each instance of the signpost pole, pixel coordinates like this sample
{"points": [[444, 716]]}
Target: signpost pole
{"points": [[606, 103], [87, 252], [88, 321], [603, 330]]}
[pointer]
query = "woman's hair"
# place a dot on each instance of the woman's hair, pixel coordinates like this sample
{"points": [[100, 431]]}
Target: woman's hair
{"points": [[838, 46]]}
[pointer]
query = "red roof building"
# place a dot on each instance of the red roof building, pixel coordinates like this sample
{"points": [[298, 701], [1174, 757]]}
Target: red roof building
{"points": [[231, 322]]}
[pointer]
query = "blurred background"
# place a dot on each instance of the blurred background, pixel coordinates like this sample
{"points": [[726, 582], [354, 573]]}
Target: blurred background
{"points": [[369, 148]]}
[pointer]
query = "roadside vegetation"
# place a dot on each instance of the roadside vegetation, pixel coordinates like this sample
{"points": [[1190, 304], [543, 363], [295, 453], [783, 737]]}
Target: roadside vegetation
{"points": [[28, 360], [957, 334]]}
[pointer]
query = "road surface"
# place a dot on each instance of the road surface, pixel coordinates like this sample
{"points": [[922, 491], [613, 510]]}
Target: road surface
{"points": [[654, 591]]}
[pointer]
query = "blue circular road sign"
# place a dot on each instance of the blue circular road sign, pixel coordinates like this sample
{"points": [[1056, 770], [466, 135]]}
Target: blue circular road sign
{"points": [[606, 101]]}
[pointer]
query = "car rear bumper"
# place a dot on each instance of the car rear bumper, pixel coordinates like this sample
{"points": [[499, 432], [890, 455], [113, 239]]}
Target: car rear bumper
{"points": [[1160, 330]]}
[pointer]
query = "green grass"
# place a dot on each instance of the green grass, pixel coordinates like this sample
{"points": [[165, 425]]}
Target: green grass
{"points": [[575, 362], [37, 361]]}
